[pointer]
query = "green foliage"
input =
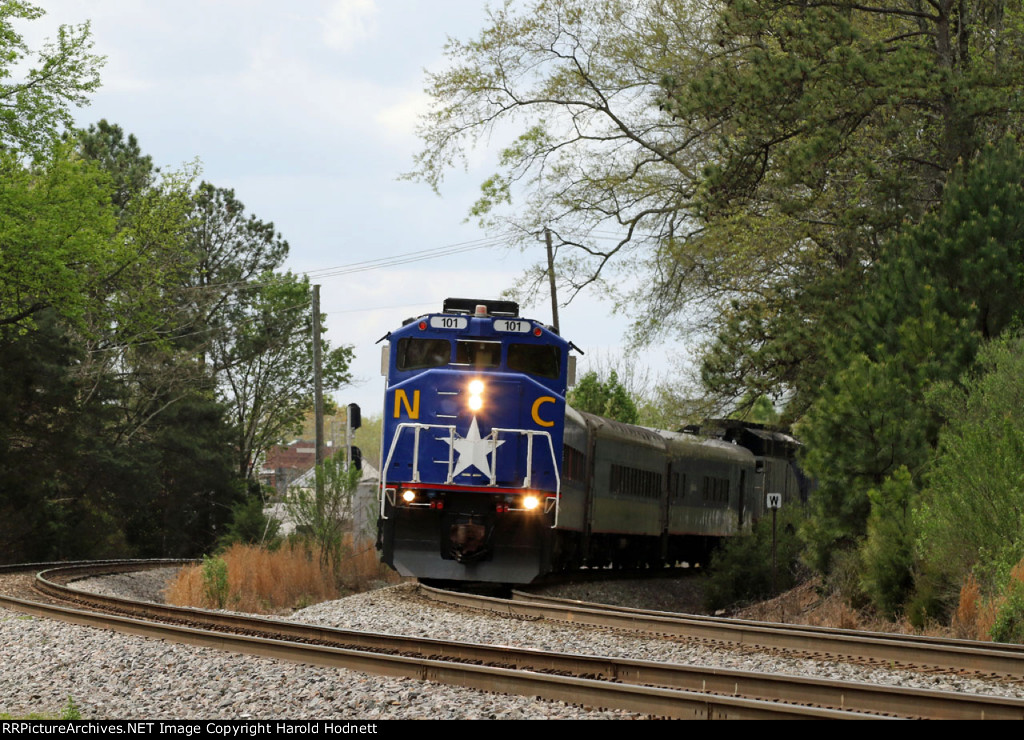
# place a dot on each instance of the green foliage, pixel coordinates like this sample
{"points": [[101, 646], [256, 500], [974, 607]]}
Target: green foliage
{"points": [[1009, 624], [325, 512], [741, 569], [757, 410], [674, 404], [918, 326], [256, 322], [146, 330], [37, 447], [39, 89], [887, 553], [215, 581], [607, 398], [131, 171], [57, 231], [70, 711], [137, 391], [845, 579], [754, 158], [932, 598], [970, 513], [250, 525], [868, 422]]}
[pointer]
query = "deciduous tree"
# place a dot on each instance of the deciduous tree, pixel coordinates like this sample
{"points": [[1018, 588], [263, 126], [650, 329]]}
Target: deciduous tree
{"points": [[748, 159], [606, 398], [39, 89], [57, 232]]}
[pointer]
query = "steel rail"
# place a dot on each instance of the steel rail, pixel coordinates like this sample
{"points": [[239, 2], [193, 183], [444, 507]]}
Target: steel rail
{"points": [[654, 701], [977, 657], [819, 692], [1008, 647]]}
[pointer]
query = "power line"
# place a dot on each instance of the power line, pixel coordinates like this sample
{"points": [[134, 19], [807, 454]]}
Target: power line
{"points": [[406, 258], [381, 308], [374, 264]]}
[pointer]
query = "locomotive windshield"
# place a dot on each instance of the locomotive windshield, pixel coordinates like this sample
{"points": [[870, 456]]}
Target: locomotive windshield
{"points": [[536, 359], [417, 354], [477, 354]]}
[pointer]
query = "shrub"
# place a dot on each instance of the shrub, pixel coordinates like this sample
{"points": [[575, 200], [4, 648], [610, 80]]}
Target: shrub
{"points": [[254, 579], [324, 514], [251, 526], [1009, 621], [970, 516], [887, 554], [215, 581], [70, 710], [741, 570]]}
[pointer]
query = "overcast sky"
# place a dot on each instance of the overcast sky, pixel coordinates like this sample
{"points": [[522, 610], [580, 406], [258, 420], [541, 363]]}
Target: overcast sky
{"points": [[308, 111]]}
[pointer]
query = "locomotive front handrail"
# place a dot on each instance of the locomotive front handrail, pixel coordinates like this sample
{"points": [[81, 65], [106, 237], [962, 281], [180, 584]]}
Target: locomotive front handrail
{"points": [[450, 478]]}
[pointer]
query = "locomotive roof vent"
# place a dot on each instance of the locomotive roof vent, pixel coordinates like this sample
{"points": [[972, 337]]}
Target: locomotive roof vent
{"points": [[472, 305]]}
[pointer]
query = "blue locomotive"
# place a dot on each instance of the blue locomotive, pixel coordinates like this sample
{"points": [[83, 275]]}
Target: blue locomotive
{"points": [[487, 475]]}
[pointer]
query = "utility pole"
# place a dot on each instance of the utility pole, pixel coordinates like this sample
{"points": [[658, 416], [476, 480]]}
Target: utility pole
{"points": [[318, 389], [551, 278]]}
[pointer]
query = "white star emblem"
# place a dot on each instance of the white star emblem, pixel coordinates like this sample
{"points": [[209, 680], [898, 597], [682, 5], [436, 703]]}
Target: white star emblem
{"points": [[473, 451]]}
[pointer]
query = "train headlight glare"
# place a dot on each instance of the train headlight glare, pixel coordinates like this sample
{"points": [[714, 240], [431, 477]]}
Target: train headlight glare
{"points": [[476, 387], [530, 502], [408, 496], [476, 403]]}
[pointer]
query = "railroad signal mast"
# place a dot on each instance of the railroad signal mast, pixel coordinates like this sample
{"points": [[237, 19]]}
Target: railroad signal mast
{"points": [[773, 501]]}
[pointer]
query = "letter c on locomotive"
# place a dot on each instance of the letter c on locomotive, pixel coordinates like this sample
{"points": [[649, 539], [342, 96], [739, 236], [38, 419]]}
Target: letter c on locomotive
{"points": [[535, 411]]}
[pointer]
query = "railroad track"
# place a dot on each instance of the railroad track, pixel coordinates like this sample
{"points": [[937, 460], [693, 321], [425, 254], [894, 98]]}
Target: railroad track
{"points": [[994, 659], [988, 660], [656, 689]]}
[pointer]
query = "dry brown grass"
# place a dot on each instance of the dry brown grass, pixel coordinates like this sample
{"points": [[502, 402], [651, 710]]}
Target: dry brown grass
{"points": [[811, 603], [987, 614], [363, 568], [968, 610], [975, 615], [1017, 574], [261, 581]]}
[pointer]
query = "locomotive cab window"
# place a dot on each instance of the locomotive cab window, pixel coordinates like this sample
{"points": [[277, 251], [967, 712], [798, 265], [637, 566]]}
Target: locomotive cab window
{"points": [[418, 354], [477, 354], [536, 359]]}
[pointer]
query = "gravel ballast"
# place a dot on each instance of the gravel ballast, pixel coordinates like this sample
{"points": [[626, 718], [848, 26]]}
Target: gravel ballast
{"points": [[110, 675]]}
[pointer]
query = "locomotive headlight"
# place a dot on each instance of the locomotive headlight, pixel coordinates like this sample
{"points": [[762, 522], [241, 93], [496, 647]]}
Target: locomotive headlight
{"points": [[408, 496], [530, 502], [476, 398]]}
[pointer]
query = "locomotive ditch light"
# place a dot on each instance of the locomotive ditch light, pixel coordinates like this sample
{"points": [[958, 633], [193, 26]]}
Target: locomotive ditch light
{"points": [[408, 496], [530, 502]]}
